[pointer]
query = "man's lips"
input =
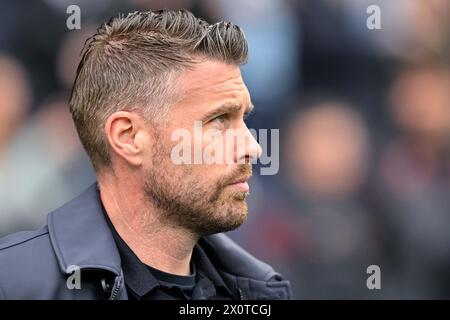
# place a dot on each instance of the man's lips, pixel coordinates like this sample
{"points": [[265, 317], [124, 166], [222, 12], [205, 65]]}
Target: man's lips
{"points": [[241, 184]]}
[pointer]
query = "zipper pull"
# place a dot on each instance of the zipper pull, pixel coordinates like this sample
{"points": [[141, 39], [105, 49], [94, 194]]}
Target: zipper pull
{"points": [[241, 294]]}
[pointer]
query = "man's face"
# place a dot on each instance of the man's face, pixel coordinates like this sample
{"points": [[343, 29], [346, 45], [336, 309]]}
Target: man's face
{"points": [[204, 197]]}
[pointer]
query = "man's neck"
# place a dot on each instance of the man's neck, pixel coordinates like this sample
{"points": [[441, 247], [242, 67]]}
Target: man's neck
{"points": [[137, 221]]}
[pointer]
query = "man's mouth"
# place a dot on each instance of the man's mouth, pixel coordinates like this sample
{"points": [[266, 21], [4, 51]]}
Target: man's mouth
{"points": [[241, 184]]}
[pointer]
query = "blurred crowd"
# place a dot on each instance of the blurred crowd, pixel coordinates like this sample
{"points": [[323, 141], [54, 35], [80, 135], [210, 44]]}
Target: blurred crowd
{"points": [[364, 119]]}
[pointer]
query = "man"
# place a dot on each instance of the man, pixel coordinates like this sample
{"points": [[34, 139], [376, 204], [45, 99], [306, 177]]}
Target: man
{"points": [[150, 228]]}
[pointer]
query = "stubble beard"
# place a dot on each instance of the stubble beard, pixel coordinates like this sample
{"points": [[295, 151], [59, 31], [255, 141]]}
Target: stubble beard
{"points": [[184, 201]]}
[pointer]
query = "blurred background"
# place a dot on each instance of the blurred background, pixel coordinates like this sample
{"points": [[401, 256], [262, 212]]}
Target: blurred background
{"points": [[364, 119]]}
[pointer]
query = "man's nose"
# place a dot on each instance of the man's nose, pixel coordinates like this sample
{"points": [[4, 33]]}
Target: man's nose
{"points": [[247, 149]]}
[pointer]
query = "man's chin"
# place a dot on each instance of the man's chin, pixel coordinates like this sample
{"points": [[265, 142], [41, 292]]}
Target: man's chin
{"points": [[237, 215], [224, 226], [228, 218]]}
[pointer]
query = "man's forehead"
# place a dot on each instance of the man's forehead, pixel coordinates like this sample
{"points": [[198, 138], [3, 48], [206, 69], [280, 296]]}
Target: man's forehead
{"points": [[210, 83], [212, 76]]}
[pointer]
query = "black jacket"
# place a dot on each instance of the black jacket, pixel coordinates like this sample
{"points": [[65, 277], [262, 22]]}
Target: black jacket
{"points": [[39, 264]]}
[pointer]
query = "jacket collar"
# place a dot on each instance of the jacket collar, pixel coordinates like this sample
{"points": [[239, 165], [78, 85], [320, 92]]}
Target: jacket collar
{"points": [[80, 235]]}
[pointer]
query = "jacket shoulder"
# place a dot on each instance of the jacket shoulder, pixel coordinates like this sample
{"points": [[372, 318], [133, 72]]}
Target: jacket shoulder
{"points": [[27, 257], [18, 240], [258, 279], [233, 258]]}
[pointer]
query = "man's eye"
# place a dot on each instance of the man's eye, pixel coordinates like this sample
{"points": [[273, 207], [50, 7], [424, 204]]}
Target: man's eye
{"points": [[220, 119]]}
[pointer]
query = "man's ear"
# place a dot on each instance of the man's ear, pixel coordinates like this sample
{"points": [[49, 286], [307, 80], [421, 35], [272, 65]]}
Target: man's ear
{"points": [[127, 137]]}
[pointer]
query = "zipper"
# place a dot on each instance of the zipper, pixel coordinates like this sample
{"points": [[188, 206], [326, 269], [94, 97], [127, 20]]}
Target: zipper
{"points": [[116, 288]]}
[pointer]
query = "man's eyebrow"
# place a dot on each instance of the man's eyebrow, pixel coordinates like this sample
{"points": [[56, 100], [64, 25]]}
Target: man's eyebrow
{"points": [[228, 107]]}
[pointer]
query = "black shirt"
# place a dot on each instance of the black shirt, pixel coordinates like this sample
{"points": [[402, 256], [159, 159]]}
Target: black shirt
{"points": [[146, 283], [185, 283]]}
